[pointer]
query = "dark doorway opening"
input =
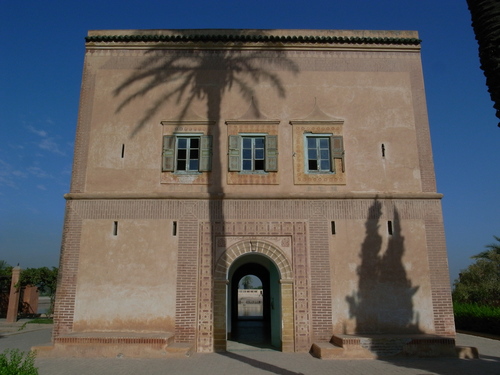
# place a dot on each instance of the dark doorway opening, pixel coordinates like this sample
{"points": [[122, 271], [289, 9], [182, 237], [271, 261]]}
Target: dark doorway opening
{"points": [[250, 326]]}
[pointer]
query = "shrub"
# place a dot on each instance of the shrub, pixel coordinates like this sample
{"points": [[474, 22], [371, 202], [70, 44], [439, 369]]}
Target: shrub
{"points": [[15, 362], [480, 282], [472, 317]]}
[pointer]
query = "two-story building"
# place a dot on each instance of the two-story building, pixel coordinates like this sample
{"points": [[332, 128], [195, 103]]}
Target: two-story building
{"points": [[300, 156]]}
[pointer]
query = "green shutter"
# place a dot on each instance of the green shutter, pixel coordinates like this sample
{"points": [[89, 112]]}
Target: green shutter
{"points": [[337, 148], [168, 153], [205, 153], [271, 153], [234, 153]]}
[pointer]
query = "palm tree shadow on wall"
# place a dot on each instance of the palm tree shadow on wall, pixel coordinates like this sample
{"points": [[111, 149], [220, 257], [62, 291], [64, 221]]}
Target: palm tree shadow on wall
{"points": [[202, 74], [183, 77], [383, 302]]}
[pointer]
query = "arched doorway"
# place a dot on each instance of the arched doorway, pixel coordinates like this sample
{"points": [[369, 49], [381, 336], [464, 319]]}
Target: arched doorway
{"points": [[254, 329], [272, 267]]}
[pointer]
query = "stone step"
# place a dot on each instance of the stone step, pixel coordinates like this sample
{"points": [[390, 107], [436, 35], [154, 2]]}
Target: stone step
{"points": [[114, 345], [467, 352], [389, 345], [326, 350], [154, 338], [386, 345], [180, 349]]}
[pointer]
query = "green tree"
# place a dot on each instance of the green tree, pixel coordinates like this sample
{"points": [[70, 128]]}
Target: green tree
{"points": [[492, 250], [5, 277], [44, 278], [247, 282], [5, 268], [480, 282]]}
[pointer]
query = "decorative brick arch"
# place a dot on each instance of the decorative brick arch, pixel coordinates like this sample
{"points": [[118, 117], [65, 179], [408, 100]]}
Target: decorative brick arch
{"points": [[253, 247], [220, 288]]}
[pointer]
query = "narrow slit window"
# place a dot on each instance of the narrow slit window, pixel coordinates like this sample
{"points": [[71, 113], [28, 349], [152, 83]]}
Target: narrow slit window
{"points": [[389, 227], [174, 228], [383, 150], [115, 228], [333, 227], [123, 151]]}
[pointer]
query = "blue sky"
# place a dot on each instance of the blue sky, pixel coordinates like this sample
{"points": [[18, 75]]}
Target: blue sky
{"points": [[40, 75]]}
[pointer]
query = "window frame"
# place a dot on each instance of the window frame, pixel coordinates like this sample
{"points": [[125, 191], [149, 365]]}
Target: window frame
{"points": [[189, 149], [170, 155], [235, 154], [335, 149], [254, 150]]}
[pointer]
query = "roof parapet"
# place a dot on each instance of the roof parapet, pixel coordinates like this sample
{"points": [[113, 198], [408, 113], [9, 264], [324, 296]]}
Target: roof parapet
{"points": [[235, 38]]}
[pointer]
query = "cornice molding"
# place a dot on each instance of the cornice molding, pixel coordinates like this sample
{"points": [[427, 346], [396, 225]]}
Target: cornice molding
{"points": [[250, 195], [252, 122], [279, 40], [235, 38], [316, 122], [187, 122]]}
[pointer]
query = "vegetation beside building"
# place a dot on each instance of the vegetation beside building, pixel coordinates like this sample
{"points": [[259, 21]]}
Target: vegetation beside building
{"points": [[476, 294]]}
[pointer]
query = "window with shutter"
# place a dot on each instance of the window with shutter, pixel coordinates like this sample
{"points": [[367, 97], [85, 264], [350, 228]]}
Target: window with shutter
{"points": [[321, 152], [187, 154], [253, 153]]}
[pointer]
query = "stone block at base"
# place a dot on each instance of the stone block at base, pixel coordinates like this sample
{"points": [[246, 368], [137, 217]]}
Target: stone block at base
{"points": [[114, 345], [467, 352], [180, 349], [326, 350], [379, 346]]}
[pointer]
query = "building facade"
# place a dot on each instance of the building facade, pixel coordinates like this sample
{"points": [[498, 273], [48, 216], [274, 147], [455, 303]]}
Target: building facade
{"points": [[300, 156]]}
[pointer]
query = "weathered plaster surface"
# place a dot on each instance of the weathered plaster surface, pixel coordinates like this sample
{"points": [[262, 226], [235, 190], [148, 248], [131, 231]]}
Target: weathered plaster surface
{"points": [[126, 282], [158, 273]]}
